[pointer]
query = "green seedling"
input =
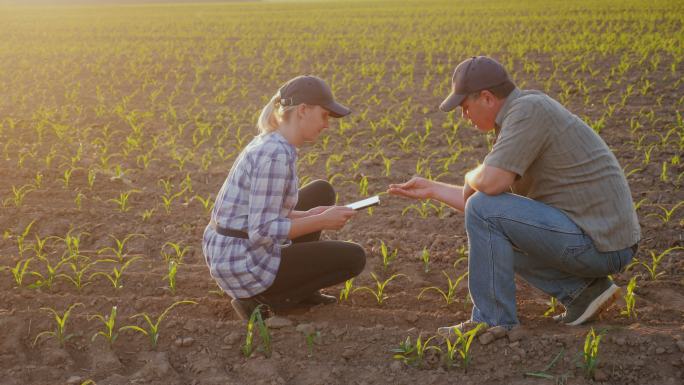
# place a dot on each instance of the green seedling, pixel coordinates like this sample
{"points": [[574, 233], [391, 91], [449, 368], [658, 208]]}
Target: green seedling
{"points": [[256, 319], [423, 209], [346, 290], [78, 272], [413, 354], [207, 203], [18, 195], [52, 272], [109, 322], [655, 262], [590, 353], [115, 277], [544, 373], [122, 200], [147, 214], [152, 330], [667, 214], [311, 339], [21, 237], [425, 257], [630, 311], [461, 346], [178, 254], [387, 256], [171, 276], [553, 302], [450, 294], [379, 292], [60, 328], [118, 250], [167, 200], [19, 271]]}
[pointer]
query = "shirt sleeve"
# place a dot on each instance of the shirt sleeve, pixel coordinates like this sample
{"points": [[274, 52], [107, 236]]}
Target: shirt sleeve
{"points": [[523, 137], [267, 192]]}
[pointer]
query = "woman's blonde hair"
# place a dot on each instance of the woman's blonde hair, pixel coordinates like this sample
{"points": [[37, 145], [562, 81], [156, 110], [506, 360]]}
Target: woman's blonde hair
{"points": [[272, 115]]}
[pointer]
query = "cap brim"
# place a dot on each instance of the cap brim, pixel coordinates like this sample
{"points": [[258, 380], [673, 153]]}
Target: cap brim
{"points": [[337, 110], [451, 102]]}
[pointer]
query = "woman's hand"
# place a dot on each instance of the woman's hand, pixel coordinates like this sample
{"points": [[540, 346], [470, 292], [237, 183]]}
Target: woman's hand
{"points": [[416, 188], [335, 217], [317, 210]]}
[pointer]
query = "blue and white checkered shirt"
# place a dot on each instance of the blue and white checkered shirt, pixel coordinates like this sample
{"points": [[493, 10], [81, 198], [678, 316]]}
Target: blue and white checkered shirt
{"points": [[257, 198]]}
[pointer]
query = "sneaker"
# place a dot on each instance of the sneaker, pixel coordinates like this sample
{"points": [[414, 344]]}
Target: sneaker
{"points": [[598, 296], [318, 298], [463, 327], [244, 307]]}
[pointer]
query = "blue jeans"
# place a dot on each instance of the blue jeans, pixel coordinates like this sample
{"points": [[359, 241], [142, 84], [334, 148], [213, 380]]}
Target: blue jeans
{"points": [[509, 234]]}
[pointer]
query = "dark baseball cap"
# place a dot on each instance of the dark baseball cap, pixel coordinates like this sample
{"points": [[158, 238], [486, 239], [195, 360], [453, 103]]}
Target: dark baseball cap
{"points": [[471, 75], [312, 90]]}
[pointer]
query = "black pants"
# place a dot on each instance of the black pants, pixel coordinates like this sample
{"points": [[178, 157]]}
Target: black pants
{"points": [[310, 264]]}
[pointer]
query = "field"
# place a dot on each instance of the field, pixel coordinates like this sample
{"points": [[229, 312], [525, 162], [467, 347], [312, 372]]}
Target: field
{"points": [[119, 123]]}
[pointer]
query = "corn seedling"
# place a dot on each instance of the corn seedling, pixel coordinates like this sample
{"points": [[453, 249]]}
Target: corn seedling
{"points": [[167, 200], [311, 338], [379, 292], [20, 270], [544, 373], [256, 320], [413, 353], [117, 273], [78, 272], [387, 256], [171, 276], [423, 209], [346, 290], [118, 250], [18, 195], [590, 353], [425, 257], [630, 311], [449, 295], [461, 346], [60, 328], [51, 273], [655, 262], [179, 252], [122, 200], [21, 237], [207, 203], [667, 214], [553, 302], [152, 330], [109, 323]]}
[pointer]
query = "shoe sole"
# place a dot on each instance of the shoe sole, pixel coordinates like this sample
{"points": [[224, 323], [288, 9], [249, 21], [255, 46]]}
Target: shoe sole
{"points": [[596, 306]]}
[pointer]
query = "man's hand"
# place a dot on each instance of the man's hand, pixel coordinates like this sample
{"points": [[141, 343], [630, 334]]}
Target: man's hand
{"points": [[416, 188], [316, 210], [468, 191]]}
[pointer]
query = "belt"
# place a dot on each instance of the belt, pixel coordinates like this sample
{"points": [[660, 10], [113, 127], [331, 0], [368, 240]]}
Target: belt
{"points": [[227, 232]]}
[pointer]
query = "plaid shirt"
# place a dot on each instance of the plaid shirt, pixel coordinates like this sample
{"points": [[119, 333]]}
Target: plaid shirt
{"points": [[257, 198]]}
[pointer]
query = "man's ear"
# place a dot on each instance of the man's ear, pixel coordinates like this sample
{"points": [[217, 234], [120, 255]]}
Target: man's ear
{"points": [[490, 99]]}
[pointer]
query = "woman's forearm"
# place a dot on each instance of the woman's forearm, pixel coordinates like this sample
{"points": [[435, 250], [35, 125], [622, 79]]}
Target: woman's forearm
{"points": [[305, 225], [296, 214]]}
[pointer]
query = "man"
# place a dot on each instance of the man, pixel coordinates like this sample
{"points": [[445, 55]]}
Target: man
{"points": [[550, 202]]}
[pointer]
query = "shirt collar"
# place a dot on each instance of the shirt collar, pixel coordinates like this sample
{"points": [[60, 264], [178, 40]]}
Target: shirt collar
{"points": [[505, 107], [280, 138]]}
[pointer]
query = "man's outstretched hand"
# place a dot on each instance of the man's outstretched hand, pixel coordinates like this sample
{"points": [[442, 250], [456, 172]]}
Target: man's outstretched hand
{"points": [[416, 188]]}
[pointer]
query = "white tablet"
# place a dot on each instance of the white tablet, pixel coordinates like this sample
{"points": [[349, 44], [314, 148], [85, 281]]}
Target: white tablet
{"points": [[362, 204]]}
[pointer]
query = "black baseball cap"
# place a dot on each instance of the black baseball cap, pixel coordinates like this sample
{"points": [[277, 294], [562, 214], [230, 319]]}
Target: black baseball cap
{"points": [[471, 75], [313, 90]]}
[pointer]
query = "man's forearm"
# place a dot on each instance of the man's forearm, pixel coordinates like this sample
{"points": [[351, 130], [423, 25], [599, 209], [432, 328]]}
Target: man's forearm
{"points": [[451, 195]]}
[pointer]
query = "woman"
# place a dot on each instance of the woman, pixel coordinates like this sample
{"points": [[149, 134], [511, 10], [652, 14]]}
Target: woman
{"points": [[260, 209]]}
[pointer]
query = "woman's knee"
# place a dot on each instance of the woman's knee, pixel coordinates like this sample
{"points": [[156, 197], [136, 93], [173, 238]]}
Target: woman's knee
{"points": [[324, 190], [357, 259]]}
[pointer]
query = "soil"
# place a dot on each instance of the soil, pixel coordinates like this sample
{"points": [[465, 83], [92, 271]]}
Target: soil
{"points": [[202, 343]]}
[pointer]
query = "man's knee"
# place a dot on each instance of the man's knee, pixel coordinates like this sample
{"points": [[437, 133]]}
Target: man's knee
{"points": [[476, 202]]}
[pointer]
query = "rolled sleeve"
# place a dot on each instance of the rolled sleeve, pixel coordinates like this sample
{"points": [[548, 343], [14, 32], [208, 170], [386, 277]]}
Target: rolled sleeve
{"points": [[266, 227]]}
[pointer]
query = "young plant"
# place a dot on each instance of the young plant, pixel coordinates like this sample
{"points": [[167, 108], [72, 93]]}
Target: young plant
{"points": [[379, 292], [590, 354], [52, 272], [655, 262], [207, 203], [630, 311], [21, 237], [425, 257], [346, 290], [256, 319], [120, 244], [552, 307], [461, 346], [179, 252], [387, 256], [20, 270], [152, 330], [449, 295], [122, 200], [18, 195], [109, 322], [413, 354], [60, 328], [78, 272], [544, 373], [171, 277], [117, 273], [311, 338], [667, 214], [423, 209]]}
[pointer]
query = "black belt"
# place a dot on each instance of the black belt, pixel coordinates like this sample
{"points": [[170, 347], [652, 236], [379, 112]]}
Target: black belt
{"points": [[228, 232]]}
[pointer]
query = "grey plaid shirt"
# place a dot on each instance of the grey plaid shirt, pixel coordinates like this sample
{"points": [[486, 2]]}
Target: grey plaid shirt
{"points": [[257, 198]]}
